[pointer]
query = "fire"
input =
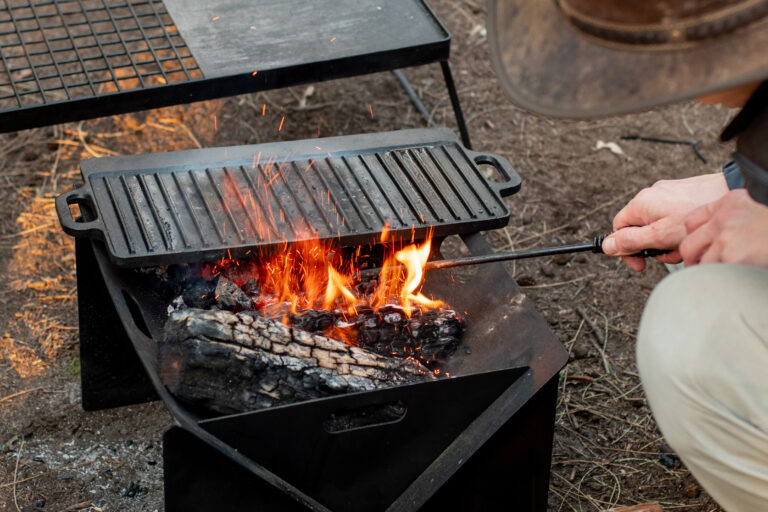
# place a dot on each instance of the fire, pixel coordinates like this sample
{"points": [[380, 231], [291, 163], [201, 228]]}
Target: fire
{"points": [[310, 276]]}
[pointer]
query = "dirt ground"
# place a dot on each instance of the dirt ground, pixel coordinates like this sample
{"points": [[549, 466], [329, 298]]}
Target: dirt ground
{"points": [[607, 449]]}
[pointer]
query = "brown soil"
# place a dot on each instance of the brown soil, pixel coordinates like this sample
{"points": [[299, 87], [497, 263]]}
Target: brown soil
{"points": [[606, 452]]}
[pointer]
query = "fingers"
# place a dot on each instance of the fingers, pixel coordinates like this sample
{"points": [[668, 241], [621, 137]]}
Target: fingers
{"points": [[696, 218], [636, 264], [672, 257], [700, 230], [713, 254], [665, 233], [696, 244], [630, 215]]}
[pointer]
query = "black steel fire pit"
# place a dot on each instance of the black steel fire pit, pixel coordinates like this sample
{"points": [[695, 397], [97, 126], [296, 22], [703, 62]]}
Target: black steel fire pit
{"points": [[474, 441]]}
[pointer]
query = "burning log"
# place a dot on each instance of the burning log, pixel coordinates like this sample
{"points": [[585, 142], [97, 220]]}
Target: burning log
{"points": [[427, 335], [233, 362]]}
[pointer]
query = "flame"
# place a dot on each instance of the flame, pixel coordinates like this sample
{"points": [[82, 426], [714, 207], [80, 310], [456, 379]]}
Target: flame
{"points": [[339, 286], [310, 275]]}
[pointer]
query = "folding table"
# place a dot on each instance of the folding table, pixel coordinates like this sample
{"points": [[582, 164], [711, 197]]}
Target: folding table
{"points": [[67, 60]]}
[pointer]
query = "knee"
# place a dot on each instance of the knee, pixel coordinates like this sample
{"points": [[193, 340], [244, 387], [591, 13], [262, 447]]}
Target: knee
{"points": [[677, 347], [677, 321]]}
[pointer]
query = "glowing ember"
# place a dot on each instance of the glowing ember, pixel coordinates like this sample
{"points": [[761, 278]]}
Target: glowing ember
{"points": [[310, 276]]}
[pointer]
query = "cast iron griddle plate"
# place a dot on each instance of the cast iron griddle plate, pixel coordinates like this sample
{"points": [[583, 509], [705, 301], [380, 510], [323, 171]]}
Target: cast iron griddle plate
{"points": [[205, 204]]}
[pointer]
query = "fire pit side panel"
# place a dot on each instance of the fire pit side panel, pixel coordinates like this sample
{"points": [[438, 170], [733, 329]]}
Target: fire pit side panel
{"points": [[111, 372]]}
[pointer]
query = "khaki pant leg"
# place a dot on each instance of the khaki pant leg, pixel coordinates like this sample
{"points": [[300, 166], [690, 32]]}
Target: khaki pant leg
{"points": [[702, 353]]}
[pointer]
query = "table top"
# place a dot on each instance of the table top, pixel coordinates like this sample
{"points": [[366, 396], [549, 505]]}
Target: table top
{"points": [[62, 62], [235, 36]]}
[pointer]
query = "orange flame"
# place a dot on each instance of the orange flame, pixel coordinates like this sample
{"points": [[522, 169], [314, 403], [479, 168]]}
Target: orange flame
{"points": [[309, 275]]}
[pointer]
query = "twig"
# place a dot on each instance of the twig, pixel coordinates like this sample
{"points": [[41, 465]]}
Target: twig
{"points": [[28, 231], [599, 335], [561, 283], [19, 393], [16, 475], [81, 136], [693, 143], [78, 506], [186, 130]]}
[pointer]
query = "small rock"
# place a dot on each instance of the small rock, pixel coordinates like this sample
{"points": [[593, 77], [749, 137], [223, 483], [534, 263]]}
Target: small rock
{"points": [[65, 477], [467, 350], [692, 491], [580, 351], [128, 443], [561, 259], [131, 491], [667, 456], [39, 502], [525, 280], [107, 473], [547, 271]]}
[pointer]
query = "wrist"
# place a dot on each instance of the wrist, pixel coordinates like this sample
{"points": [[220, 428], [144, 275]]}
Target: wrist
{"points": [[733, 177]]}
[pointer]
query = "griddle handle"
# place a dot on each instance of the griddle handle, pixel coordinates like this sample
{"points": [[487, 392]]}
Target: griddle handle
{"points": [[502, 165], [70, 225]]}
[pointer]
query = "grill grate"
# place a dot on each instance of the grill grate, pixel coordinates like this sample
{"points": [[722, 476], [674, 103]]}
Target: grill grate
{"points": [[61, 50], [193, 205]]}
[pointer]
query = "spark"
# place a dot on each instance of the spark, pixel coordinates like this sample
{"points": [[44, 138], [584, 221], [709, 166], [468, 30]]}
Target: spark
{"points": [[215, 124], [370, 108], [254, 73], [281, 124], [311, 162], [333, 38], [263, 109], [215, 18]]}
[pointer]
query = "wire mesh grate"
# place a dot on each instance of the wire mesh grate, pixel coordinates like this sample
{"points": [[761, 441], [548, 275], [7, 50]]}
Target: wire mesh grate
{"points": [[53, 50]]}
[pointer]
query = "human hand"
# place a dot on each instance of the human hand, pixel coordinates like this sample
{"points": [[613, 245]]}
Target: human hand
{"points": [[653, 219], [733, 229]]}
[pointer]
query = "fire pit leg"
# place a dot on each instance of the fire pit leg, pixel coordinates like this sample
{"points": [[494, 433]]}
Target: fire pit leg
{"points": [[111, 374]]}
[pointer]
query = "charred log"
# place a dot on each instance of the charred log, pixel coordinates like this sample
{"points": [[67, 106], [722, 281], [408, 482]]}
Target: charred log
{"points": [[312, 320], [229, 296], [428, 336], [229, 362], [199, 293]]}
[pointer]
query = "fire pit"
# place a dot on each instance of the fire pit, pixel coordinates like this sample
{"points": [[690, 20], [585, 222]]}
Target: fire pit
{"points": [[471, 441]]}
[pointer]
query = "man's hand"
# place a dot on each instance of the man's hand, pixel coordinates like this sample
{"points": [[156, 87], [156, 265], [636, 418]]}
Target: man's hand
{"points": [[733, 229], [654, 218]]}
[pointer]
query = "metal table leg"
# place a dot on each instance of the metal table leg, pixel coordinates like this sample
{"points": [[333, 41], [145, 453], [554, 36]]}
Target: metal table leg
{"points": [[450, 85]]}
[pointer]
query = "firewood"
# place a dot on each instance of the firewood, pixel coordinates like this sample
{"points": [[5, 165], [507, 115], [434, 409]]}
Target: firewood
{"points": [[643, 507], [232, 362], [427, 336]]}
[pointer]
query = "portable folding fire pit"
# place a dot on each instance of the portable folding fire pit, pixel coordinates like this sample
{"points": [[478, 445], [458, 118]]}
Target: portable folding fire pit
{"points": [[473, 441]]}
